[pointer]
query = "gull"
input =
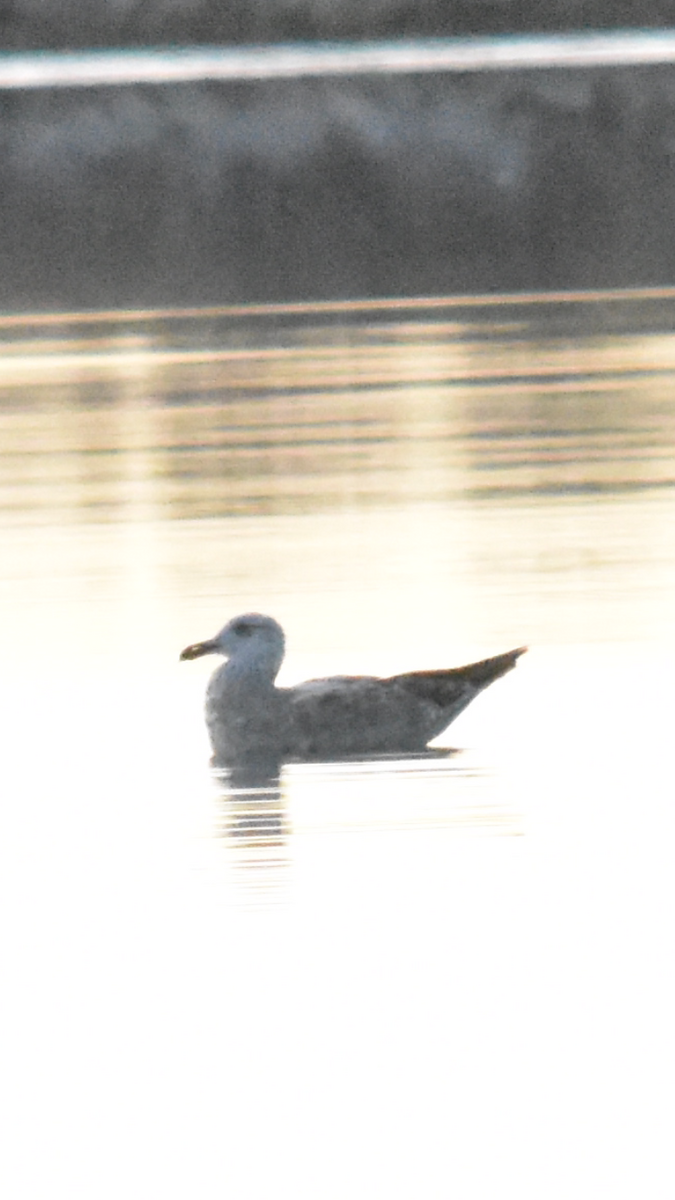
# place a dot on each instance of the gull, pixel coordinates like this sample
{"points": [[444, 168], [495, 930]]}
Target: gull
{"points": [[343, 716]]}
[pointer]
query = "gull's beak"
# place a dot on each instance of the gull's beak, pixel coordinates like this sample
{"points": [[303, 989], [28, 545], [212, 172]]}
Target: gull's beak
{"points": [[199, 649]]}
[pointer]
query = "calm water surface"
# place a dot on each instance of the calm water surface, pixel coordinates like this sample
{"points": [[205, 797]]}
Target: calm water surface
{"points": [[428, 978]]}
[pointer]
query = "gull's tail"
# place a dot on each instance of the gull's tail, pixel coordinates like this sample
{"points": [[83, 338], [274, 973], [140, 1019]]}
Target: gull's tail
{"points": [[455, 687]]}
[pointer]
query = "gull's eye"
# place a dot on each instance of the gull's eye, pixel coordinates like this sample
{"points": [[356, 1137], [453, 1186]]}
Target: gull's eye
{"points": [[243, 629]]}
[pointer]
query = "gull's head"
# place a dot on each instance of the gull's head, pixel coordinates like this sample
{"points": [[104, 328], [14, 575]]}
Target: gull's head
{"points": [[251, 642]]}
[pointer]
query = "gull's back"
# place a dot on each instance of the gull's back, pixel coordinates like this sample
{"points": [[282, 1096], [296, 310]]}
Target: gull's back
{"points": [[348, 716]]}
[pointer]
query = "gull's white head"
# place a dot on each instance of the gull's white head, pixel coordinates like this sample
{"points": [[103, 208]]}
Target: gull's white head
{"points": [[253, 643]]}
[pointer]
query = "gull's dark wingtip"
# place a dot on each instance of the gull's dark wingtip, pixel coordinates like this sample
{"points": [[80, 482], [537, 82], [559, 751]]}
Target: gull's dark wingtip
{"points": [[503, 663]]}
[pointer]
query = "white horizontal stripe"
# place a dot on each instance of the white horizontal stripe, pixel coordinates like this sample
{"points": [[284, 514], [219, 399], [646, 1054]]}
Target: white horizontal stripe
{"points": [[112, 67]]}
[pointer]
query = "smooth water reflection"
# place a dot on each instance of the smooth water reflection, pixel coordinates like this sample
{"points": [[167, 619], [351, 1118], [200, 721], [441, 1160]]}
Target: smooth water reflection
{"points": [[422, 977]]}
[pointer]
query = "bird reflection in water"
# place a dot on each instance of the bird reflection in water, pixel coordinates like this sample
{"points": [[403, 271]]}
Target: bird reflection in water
{"points": [[253, 810]]}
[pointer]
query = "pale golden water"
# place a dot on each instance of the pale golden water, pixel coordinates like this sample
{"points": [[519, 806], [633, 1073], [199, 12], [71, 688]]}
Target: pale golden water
{"points": [[432, 978]]}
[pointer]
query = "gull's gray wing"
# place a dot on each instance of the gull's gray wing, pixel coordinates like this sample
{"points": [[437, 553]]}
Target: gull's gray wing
{"points": [[351, 715]]}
